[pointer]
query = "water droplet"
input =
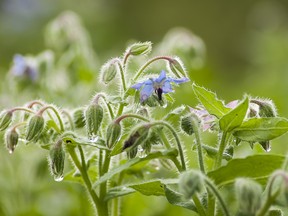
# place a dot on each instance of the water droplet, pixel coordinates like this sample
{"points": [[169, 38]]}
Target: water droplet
{"points": [[58, 178], [141, 152], [10, 151], [93, 138], [157, 168], [268, 149]]}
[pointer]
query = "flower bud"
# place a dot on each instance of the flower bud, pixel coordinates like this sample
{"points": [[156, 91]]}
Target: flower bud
{"points": [[266, 145], [190, 182], [113, 134], [94, 116], [137, 137], [132, 153], [35, 127], [109, 70], [275, 212], [266, 107], [140, 48], [57, 159], [79, 118], [249, 194], [5, 119], [151, 101], [176, 66], [11, 140], [188, 123]]}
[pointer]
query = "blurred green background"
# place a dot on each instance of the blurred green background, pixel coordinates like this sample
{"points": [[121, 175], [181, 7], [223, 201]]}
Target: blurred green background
{"points": [[246, 52]]}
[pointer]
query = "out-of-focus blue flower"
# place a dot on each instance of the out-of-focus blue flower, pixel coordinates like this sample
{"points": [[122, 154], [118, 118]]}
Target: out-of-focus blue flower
{"points": [[22, 68], [161, 84]]}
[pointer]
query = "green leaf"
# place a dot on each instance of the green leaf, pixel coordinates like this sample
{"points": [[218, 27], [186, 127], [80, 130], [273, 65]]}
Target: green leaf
{"points": [[176, 199], [171, 154], [235, 117], [117, 192], [257, 167], [261, 129], [155, 188], [210, 101]]}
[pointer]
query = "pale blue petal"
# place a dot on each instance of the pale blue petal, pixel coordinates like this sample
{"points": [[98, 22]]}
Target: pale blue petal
{"points": [[139, 85], [167, 87], [178, 81], [19, 65], [145, 93], [161, 77]]}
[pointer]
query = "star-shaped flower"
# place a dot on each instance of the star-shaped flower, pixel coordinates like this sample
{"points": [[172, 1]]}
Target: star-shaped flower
{"points": [[161, 85]]}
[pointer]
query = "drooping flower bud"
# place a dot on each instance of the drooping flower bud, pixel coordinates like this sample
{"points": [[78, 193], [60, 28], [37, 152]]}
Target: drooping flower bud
{"points": [[11, 140], [176, 66], [94, 116], [35, 127], [5, 119], [188, 124], [140, 48], [79, 118], [266, 107], [190, 182], [113, 134], [137, 137], [249, 195], [109, 70], [57, 159]]}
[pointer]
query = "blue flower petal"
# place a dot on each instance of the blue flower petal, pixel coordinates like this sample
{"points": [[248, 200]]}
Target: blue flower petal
{"points": [[178, 81], [167, 87], [146, 92], [137, 86], [161, 77]]}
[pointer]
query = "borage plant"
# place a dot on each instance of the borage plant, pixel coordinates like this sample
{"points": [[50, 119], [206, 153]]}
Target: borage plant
{"points": [[127, 129]]}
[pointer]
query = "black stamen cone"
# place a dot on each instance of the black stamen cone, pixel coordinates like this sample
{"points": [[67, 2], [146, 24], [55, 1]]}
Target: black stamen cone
{"points": [[159, 93]]}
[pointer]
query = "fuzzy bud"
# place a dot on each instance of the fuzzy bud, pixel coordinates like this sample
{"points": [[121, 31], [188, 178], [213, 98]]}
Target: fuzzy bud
{"points": [[190, 182], [137, 137], [57, 159], [176, 66], [140, 48], [5, 119], [79, 118], [113, 134], [35, 127], [109, 70], [11, 140], [94, 116], [132, 153], [249, 195], [189, 123], [266, 107]]}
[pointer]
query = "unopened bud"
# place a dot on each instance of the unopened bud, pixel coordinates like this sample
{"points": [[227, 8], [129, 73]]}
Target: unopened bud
{"points": [[249, 195], [151, 101], [57, 159], [190, 182], [5, 119], [113, 134], [137, 137], [275, 212], [35, 127], [140, 48], [266, 107], [132, 153], [94, 116], [79, 118], [189, 123], [109, 70], [176, 66], [266, 145], [11, 140]]}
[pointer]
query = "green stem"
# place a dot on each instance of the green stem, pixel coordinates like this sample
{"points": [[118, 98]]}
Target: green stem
{"points": [[217, 194], [141, 70], [199, 145], [125, 59], [56, 113], [115, 209], [105, 167], [130, 115], [69, 119], [21, 109], [120, 109], [102, 210], [181, 153], [221, 150], [122, 77], [198, 205]]}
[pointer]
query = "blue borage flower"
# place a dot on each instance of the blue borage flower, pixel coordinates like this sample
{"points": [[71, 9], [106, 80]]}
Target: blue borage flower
{"points": [[22, 68], [161, 85]]}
